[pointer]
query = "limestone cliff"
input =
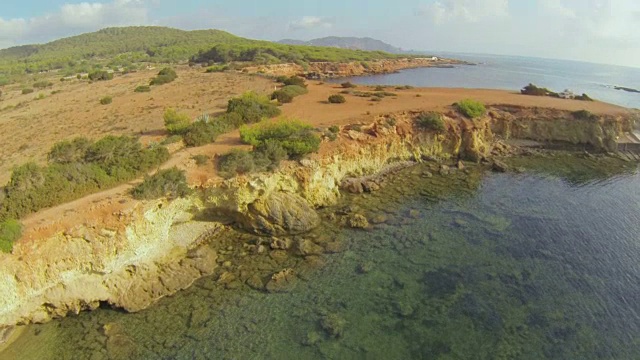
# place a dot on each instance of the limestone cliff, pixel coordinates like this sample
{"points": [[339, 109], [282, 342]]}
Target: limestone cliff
{"points": [[156, 250]]}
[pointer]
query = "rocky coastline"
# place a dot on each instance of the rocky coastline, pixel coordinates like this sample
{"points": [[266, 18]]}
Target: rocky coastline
{"points": [[163, 246]]}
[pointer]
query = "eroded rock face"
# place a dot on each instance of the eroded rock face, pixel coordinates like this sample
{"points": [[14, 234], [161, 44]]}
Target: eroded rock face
{"points": [[279, 214]]}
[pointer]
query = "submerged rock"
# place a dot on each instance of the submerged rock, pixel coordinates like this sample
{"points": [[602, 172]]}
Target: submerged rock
{"points": [[279, 214], [499, 166], [358, 221], [281, 281]]}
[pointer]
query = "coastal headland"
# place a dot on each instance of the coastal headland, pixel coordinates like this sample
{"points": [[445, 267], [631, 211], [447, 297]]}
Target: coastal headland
{"points": [[107, 248]]}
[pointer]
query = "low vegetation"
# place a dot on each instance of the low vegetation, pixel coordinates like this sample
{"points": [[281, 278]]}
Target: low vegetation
{"points": [[337, 99], [293, 80], [431, 121], [76, 168], [287, 93], [471, 108], [201, 160], [42, 84], [106, 100], [584, 115], [217, 68], [26, 91], [100, 75], [176, 123], [10, 232], [165, 76], [169, 183], [348, 85], [295, 137], [142, 88]]}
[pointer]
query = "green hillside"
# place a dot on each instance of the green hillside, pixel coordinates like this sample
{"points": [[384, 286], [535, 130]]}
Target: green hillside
{"points": [[128, 46]]}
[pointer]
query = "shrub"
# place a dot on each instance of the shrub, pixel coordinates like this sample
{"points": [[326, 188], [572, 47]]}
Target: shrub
{"points": [[175, 123], [170, 183], [431, 121], [165, 76], [27, 91], [251, 107], [337, 99], [379, 88], [295, 90], [200, 159], [236, 162], [10, 231], [348, 85], [295, 80], [281, 78], [334, 129], [471, 108], [171, 140], [42, 84], [536, 91], [200, 133], [41, 96], [66, 152], [282, 96], [584, 115], [391, 121], [106, 100], [142, 88], [100, 75], [217, 68], [295, 137]]}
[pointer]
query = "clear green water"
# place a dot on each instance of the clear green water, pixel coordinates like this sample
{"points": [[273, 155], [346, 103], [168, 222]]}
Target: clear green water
{"points": [[477, 266]]}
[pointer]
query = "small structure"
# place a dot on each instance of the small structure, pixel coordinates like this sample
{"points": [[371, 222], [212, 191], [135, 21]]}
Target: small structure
{"points": [[434, 58]]}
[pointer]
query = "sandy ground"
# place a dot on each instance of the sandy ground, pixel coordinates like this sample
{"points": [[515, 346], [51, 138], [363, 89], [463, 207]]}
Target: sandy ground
{"points": [[76, 111]]}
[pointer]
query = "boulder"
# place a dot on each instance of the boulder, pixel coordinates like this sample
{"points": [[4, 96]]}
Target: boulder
{"points": [[279, 214]]}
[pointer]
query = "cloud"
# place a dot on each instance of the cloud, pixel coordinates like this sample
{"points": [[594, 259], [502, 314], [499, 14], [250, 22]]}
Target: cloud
{"points": [[310, 22], [557, 8], [443, 11], [72, 19]]}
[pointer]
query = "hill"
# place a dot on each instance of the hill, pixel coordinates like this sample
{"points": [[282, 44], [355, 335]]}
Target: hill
{"points": [[354, 43], [127, 46]]}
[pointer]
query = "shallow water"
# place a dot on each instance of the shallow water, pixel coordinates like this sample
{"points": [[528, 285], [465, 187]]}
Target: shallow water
{"points": [[467, 266]]}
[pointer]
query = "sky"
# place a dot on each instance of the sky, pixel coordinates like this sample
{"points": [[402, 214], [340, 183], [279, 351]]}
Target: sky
{"points": [[601, 31]]}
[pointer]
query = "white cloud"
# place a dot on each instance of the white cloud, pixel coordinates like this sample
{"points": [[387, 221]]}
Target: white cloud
{"points": [[72, 19], [443, 11], [310, 22]]}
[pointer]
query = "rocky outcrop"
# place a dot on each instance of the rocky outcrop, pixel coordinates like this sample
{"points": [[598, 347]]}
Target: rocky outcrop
{"points": [[354, 68], [279, 213]]}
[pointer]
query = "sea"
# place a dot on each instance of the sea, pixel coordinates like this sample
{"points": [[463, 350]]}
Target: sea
{"points": [[599, 81], [537, 264]]}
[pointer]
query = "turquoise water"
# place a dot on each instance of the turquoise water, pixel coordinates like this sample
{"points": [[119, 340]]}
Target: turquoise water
{"points": [[514, 72], [463, 266]]}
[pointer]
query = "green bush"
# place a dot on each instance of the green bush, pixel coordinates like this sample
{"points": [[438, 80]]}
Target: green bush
{"points": [[171, 140], [348, 85], [142, 88], [27, 91], [337, 99], [282, 97], [281, 78], [175, 123], [334, 129], [66, 152], [10, 232], [295, 137], [100, 75], [165, 76], [379, 88], [201, 160], [217, 68], [431, 121], [295, 90], [200, 133], [42, 84], [537, 91], [236, 162], [106, 100], [252, 108], [295, 80], [471, 108], [169, 183]]}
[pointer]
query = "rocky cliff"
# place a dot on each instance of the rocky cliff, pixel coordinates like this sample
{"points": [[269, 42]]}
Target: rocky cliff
{"points": [[157, 249], [354, 68]]}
